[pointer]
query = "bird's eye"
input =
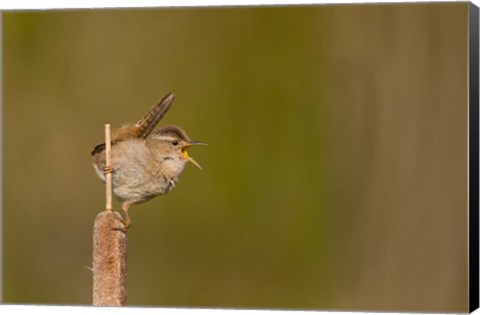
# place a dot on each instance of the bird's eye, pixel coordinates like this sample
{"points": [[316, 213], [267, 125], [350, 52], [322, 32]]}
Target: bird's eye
{"points": [[174, 142]]}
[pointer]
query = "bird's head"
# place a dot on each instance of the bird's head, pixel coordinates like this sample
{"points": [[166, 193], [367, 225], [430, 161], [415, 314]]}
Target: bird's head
{"points": [[172, 142]]}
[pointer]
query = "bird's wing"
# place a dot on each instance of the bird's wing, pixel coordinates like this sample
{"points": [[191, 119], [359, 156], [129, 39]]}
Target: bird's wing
{"points": [[144, 126], [98, 148]]}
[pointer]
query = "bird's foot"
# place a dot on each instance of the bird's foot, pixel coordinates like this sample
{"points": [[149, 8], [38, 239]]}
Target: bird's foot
{"points": [[126, 224], [125, 227], [109, 169]]}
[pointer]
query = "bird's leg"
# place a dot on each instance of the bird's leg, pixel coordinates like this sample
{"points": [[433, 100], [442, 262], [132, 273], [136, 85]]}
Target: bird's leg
{"points": [[127, 222]]}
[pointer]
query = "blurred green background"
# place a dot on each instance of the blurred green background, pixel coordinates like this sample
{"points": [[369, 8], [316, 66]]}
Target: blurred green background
{"points": [[336, 171]]}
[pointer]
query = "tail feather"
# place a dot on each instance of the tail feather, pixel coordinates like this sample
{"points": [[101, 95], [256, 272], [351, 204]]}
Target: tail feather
{"points": [[144, 126], [148, 122]]}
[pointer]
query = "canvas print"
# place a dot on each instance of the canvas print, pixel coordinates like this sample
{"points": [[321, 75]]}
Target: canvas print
{"points": [[336, 173]]}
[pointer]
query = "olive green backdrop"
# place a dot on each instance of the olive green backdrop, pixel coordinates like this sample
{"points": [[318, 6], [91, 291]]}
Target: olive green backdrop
{"points": [[336, 171]]}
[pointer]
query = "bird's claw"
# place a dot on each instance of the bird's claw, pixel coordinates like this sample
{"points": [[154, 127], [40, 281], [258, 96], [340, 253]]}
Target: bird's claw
{"points": [[109, 169], [126, 224]]}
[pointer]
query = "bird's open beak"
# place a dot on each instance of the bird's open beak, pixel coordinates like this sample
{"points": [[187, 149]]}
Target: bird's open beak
{"points": [[188, 157]]}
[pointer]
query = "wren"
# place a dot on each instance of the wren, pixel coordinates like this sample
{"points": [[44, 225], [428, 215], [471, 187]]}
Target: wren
{"points": [[145, 164]]}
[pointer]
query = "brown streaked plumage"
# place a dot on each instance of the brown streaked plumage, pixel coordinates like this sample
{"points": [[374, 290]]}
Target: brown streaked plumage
{"points": [[145, 164], [144, 126]]}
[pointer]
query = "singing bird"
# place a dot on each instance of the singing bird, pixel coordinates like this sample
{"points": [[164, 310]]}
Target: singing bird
{"points": [[145, 164]]}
